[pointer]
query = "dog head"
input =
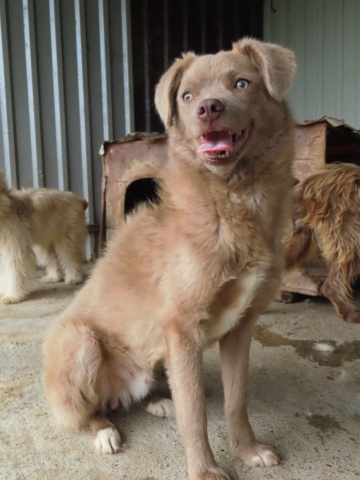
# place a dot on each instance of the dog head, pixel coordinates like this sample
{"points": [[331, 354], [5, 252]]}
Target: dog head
{"points": [[223, 103]]}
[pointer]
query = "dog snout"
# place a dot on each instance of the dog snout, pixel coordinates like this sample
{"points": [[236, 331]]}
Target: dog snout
{"points": [[210, 109]]}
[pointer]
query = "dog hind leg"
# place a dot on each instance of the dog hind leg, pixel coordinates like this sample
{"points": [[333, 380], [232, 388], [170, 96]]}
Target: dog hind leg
{"points": [[337, 289], [75, 380], [46, 258], [70, 255]]}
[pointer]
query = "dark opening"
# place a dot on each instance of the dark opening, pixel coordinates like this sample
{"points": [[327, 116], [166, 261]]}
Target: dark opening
{"points": [[140, 191]]}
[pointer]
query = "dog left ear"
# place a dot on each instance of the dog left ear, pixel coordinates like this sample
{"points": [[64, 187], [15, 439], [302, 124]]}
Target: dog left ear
{"points": [[166, 89], [276, 64]]}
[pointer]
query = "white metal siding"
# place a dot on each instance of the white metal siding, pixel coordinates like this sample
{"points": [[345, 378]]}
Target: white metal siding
{"points": [[325, 35], [65, 86]]}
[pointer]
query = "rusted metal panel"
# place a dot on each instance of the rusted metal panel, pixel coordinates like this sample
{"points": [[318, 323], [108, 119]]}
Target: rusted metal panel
{"points": [[304, 280], [138, 156], [310, 150], [324, 141]]}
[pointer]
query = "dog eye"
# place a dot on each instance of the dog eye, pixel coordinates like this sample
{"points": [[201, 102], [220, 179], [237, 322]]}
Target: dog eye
{"points": [[240, 84], [187, 97]]}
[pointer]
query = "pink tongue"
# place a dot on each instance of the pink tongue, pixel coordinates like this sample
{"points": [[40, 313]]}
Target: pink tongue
{"points": [[216, 142]]}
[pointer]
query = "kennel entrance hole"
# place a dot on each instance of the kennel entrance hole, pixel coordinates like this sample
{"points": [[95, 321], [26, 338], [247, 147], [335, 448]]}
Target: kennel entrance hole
{"points": [[140, 191]]}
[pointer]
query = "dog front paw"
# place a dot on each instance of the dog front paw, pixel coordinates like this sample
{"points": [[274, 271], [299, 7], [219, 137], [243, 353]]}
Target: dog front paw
{"points": [[107, 440], [212, 473], [7, 300], [258, 455], [50, 279]]}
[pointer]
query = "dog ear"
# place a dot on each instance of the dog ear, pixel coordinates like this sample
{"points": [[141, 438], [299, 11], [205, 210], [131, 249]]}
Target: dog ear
{"points": [[276, 64], [166, 89]]}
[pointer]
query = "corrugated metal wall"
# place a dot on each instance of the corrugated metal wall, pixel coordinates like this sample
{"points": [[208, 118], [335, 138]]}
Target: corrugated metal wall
{"points": [[65, 86], [325, 35]]}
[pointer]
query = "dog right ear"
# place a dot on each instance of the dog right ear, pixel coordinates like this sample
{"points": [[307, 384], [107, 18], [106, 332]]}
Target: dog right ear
{"points": [[166, 89]]}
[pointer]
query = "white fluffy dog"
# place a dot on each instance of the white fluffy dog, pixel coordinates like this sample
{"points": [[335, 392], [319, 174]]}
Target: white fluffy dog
{"points": [[39, 226]]}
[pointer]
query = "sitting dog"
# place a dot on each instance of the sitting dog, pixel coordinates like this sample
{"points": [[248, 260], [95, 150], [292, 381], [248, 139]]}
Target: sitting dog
{"points": [[197, 267], [326, 219], [43, 226]]}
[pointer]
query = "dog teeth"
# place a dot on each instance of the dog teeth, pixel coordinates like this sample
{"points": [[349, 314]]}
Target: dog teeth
{"points": [[221, 155]]}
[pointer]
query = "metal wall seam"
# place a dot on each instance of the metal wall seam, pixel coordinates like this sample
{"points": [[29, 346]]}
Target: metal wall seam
{"points": [[58, 89], [146, 65], [105, 67], [127, 66], [7, 117], [33, 93], [166, 34], [84, 116]]}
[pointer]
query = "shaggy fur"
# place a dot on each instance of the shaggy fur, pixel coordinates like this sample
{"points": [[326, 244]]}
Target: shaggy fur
{"points": [[326, 219], [197, 268], [41, 226]]}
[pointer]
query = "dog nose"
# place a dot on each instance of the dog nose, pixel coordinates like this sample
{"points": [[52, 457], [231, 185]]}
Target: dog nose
{"points": [[209, 109]]}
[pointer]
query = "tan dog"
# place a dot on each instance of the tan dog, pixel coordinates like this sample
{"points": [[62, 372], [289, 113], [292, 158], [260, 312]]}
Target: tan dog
{"points": [[326, 219], [195, 269], [43, 226]]}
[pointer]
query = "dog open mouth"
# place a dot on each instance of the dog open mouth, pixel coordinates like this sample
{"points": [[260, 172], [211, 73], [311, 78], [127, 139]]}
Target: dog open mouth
{"points": [[220, 147]]}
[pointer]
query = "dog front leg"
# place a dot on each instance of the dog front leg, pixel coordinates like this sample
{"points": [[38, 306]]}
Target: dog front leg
{"points": [[184, 363], [234, 355]]}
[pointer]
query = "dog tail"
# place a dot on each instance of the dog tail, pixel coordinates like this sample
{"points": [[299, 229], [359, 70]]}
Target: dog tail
{"points": [[73, 374]]}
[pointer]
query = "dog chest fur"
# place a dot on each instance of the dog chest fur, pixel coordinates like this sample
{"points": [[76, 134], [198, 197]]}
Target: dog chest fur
{"points": [[234, 304]]}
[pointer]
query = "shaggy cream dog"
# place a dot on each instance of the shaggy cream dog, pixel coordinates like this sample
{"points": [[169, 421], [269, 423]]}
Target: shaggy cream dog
{"points": [[43, 226], [197, 268]]}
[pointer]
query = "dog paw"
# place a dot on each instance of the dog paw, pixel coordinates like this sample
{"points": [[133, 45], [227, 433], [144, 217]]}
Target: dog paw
{"points": [[50, 279], [107, 440], [163, 407], [7, 300], [74, 280], [259, 456], [353, 317], [212, 473]]}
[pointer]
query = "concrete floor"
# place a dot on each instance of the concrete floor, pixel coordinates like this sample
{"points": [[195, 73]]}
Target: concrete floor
{"points": [[303, 401]]}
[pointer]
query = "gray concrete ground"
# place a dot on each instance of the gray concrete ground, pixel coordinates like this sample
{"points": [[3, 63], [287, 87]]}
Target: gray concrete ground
{"points": [[304, 401]]}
